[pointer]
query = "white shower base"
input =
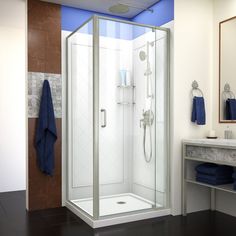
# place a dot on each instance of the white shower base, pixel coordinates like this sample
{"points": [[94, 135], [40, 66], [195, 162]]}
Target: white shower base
{"points": [[109, 208], [115, 204]]}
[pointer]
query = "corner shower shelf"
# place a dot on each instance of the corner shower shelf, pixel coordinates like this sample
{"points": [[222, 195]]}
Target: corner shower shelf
{"points": [[126, 103], [125, 86]]}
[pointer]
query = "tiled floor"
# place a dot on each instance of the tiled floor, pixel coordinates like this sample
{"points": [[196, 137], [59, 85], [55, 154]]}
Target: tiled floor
{"points": [[16, 221]]}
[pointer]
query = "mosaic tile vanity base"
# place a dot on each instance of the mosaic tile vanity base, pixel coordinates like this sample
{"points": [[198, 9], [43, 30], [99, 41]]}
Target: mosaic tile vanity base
{"points": [[35, 84], [212, 153]]}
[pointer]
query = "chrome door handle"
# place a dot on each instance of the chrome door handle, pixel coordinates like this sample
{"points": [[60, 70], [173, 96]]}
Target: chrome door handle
{"points": [[104, 123]]}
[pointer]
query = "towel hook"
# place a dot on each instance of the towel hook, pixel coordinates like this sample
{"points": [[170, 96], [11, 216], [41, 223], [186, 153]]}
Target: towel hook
{"points": [[227, 93], [196, 88]]}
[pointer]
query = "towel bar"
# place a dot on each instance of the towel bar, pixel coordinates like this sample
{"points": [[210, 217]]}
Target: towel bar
{"points": [[195, 88]]}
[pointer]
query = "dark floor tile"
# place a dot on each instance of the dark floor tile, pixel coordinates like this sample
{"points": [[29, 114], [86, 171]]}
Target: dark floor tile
{"points": [[2, 212], [53, 211], [13, 206], [54, 220], [16, 221]]}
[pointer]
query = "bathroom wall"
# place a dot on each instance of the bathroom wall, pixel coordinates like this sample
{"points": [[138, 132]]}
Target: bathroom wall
{"points": [[12, 95], [222, 11], [192, 61], [44, 62]]}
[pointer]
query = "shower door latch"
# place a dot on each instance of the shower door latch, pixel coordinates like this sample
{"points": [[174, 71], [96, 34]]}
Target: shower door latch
{"points": [[104, 118]]}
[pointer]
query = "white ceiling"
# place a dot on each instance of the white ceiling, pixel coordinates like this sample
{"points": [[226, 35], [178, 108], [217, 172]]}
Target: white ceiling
{"points": [[103, 5]]}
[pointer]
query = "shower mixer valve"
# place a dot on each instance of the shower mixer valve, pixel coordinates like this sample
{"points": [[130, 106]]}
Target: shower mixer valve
{"points": [[148, 118]]}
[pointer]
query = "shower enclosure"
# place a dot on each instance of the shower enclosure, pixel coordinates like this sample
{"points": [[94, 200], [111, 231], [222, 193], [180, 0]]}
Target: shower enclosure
{"points": [[118, 121]]}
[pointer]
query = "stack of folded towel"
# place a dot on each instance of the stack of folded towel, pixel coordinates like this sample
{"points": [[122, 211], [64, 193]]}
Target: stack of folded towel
{"points": [[214, 174], [234, 178]]}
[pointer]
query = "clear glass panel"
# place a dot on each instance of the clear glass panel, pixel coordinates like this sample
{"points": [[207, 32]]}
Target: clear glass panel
{"points": [[162, 129], [80, 118], [132, 133]]}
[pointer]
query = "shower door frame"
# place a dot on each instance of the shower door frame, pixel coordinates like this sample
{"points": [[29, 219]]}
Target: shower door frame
{"points": [[96, 113]]}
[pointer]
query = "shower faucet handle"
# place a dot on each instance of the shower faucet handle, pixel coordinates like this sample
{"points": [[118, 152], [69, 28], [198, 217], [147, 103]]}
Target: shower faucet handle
{"points": [[104, 118], [141, 121]]}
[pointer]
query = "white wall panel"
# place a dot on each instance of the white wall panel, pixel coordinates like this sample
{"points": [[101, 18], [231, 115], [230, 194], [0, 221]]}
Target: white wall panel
{"points": [[12, 95]]}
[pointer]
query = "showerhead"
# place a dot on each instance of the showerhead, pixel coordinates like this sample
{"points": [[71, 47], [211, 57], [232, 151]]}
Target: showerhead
{"points": [[142, 55], [119, 8]]}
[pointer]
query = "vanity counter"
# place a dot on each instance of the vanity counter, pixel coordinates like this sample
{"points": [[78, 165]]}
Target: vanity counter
{"points": [[212, 142], [196, 151]]}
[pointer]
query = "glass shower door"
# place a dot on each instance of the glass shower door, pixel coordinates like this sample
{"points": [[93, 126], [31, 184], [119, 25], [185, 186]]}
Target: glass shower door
{"points": [[112, 162], [126, 180]]}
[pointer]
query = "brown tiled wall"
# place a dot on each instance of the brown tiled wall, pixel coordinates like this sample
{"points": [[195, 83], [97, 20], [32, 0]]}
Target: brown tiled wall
{"points": [[44, 191], [44, 55], [44, 37]]}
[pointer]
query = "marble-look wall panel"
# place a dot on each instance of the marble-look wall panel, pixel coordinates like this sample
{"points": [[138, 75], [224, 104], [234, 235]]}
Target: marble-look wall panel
{"points": [[44, 62], [35, 84]]}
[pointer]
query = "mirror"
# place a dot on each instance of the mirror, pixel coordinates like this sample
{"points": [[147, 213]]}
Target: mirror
{"points": [[227, 71]]}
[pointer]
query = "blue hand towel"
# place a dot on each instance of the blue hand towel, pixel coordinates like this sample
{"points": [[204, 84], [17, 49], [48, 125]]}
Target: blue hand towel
{"points": [[198, 111], [209, 180], [46, 134], [214, 169], [231, 109]]}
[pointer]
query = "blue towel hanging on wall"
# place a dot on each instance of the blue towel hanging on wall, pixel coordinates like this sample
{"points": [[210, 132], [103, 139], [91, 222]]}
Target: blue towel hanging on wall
{"points": [[46, 134], [198, 111]]}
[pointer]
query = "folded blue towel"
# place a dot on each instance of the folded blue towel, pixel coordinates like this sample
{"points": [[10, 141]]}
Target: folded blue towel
{"points": [[214, 169], [214, 182], [214, 178], [46, 134], [234, 185], [198, 111], [234, 175], [231, 109]]}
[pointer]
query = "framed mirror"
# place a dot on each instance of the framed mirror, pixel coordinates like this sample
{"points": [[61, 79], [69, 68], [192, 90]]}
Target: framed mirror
{"points": [[227, 71]]}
